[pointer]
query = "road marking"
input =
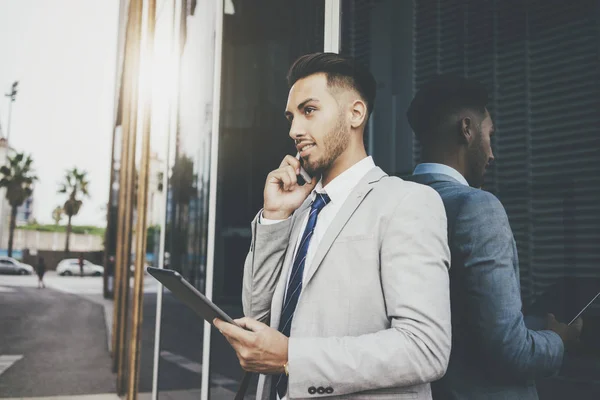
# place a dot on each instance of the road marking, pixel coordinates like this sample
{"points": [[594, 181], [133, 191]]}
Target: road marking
{"points": [[215, 378], [6, 361], [6, 289], [181, 361]]}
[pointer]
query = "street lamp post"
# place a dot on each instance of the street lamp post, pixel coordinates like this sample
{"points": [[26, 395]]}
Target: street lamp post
{"points": [[12, 97]]}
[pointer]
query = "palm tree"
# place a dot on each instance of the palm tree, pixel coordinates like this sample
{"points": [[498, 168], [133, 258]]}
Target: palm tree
{"points": [[57, 214], [75, 185], [17, 177]]}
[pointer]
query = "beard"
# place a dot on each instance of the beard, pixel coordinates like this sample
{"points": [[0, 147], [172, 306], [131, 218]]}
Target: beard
{"points": [[335, 142], [478, 161]]}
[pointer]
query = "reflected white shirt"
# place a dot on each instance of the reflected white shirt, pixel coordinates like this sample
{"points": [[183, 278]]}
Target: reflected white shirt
{"points": [[435, 168]]}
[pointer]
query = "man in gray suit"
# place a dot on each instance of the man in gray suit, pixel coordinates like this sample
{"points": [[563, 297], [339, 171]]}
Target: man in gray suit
{"points": [[351, 269], [494, 356]]}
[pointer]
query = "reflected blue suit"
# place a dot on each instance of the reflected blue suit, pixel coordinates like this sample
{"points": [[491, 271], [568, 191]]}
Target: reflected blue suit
{"points": [[494, 355]]}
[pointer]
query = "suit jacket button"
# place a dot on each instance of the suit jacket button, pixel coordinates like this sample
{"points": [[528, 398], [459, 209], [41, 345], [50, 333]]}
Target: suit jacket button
{"points": [[321, 390], [329, 390], [312, 390]]}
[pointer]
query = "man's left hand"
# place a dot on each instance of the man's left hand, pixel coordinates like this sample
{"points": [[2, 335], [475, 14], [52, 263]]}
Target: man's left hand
{"points": [[259, 347]]}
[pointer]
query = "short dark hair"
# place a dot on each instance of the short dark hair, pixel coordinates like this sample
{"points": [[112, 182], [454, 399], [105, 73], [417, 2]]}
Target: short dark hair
{"points": [[340, 71], [441, 99]]}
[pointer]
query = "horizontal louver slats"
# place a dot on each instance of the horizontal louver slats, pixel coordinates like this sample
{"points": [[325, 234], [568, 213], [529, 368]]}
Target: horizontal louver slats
{"points": [[540, 61]]}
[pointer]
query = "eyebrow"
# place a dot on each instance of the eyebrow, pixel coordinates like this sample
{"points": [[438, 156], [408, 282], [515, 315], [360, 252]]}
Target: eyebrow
{"points": [[288, 114]]}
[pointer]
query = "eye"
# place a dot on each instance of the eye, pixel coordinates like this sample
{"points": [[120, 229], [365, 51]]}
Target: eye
{"points": [[309, 110]]}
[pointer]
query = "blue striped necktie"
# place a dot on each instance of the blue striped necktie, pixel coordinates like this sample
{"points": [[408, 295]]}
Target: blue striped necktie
{"points": [[294, 287]]}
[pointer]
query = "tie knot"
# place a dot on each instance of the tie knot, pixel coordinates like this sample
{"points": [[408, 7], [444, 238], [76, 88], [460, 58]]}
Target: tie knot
{"points": [[320, 201]]}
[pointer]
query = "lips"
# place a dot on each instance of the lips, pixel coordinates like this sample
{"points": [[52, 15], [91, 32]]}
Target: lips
{"points": [[305, 148]]}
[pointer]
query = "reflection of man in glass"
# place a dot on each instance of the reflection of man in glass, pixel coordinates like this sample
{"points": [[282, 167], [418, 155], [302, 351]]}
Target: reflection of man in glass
{"points": [[493, 354], [350, 269]]}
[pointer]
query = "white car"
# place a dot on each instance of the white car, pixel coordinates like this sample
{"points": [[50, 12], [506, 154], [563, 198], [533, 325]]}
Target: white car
{"points": [[70, 266], [9, 265]]}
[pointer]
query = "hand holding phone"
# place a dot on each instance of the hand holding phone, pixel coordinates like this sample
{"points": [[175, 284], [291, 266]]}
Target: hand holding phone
{"points": [[283, 192], [303, 177], [569, 334]]}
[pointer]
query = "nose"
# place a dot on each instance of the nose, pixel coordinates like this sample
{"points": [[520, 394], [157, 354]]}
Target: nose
{"points": [[297, 131]]}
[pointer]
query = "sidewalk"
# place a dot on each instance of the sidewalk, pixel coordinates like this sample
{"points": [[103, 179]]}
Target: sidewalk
{"points": [[78, 397], [51, 343], [107, 306], [216, 393]]}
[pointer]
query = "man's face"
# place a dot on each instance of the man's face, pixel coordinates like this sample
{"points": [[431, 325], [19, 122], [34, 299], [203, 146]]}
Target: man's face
{"points": [[319, 126], [479, 153]]}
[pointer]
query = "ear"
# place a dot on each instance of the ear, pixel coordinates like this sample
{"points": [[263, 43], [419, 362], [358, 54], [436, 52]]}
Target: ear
{"points": [[358, 113], [467, 130]]}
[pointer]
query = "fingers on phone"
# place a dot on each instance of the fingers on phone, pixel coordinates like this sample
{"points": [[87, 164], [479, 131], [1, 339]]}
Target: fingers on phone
{"points": [[292, 175], [286, 177], [291, 161]]}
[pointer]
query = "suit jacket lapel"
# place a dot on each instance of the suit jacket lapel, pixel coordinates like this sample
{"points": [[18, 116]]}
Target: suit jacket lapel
{"points": [[350, 205], [277, 301]]}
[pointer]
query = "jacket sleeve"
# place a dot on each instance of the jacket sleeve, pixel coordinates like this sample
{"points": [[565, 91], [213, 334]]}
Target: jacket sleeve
{"points": [[263, 266], [493, 299]]}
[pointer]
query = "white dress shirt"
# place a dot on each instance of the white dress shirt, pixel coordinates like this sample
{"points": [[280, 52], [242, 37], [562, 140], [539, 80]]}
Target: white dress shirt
{"points": [[338, 191]]}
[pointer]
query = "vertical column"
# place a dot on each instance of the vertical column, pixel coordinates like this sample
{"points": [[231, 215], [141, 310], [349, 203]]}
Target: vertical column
{"points": [[212, 195], [142, 201], [126, 188], [332, 26], [109, 236]]}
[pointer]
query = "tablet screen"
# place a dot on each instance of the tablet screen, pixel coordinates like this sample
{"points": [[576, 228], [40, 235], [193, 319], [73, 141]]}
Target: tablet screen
{"points": [[189, 295]]}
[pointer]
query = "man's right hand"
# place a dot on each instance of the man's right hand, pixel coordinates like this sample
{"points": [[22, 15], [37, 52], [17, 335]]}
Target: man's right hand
{"points": [[568, 333], [282, 193]]}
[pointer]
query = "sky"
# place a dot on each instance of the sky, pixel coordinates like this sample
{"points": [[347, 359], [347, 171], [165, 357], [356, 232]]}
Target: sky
{"points": [[63, 53]]}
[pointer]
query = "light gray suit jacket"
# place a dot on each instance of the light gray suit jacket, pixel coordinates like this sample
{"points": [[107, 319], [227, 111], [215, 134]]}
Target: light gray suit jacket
{"points": [[373, 319]]}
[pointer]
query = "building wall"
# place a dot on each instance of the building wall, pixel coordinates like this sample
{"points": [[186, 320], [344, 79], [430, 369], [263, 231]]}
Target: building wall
{"points": [[156, 211], [404, 43], [26, 239]]}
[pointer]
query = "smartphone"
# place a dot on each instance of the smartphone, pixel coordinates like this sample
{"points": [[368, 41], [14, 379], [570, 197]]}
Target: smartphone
{"points": [[303, 177]]}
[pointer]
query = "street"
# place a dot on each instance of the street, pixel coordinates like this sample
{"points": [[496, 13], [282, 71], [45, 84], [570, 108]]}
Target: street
{"points": [[51, 342], [55, 341]]}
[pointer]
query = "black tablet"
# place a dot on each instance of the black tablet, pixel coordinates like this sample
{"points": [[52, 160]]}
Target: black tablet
{"points": [[584, 308], [189, 295]]}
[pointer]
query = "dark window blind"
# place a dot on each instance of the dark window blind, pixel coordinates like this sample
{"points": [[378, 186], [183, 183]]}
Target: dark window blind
{"points": [[540, 61]]}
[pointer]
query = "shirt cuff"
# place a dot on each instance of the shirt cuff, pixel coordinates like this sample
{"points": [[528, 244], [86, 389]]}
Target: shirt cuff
{"points": [[265, 221]]}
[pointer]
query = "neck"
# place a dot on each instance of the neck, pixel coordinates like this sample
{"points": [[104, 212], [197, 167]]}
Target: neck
{"points": [[452, 159], [353, 154]]}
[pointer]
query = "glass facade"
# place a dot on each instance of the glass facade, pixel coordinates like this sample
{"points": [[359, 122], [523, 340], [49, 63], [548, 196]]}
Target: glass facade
{"points": [[540, 64], [187, 191], [260, 41], [545, 109]]}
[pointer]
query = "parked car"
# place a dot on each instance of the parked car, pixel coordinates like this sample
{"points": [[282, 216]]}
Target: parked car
{"points": [[70, 266], [9, 265]]}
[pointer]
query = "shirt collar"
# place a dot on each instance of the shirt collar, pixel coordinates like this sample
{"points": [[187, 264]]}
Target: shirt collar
{"points": [[341, 186], [435, 168]]}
